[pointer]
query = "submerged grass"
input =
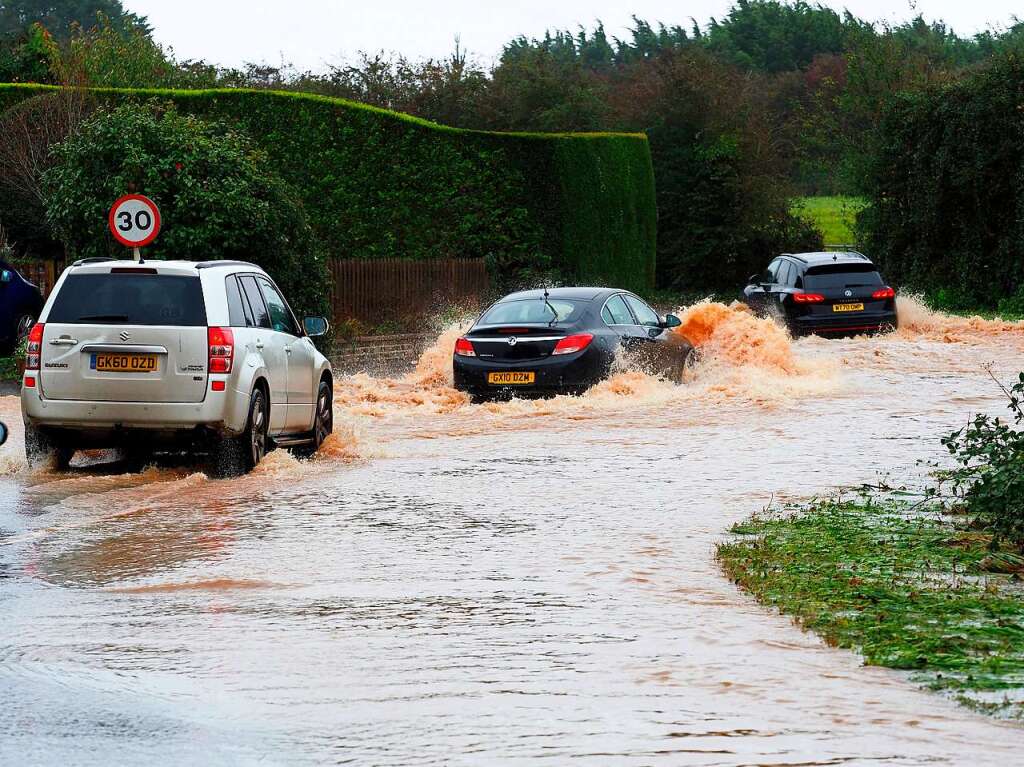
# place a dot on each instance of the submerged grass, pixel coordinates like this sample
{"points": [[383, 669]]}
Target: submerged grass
{"points": [[907, 590]]}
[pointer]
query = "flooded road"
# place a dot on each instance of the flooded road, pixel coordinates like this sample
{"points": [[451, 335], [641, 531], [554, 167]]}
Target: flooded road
{"points": [[513, 583]]}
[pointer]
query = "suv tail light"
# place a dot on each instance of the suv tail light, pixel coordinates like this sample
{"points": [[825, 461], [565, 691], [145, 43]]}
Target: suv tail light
{"points": [[808, 298], [222, 349], [884, 293], [572, 344], [34, 347], [464, 348]]}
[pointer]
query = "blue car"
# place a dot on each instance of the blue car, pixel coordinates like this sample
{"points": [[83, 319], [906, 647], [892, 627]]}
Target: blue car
{"points": [[20, 304]]}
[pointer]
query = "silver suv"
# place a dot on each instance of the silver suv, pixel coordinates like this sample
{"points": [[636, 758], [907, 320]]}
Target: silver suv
{"points": [[197, 356]]}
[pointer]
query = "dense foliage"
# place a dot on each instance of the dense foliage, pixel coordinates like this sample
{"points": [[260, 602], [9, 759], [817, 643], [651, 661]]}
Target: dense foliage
{"points": [[376, 184], [989, 478], [947, 205], [217, 197]]}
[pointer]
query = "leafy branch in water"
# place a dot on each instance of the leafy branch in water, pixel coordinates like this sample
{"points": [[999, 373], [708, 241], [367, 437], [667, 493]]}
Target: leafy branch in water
{"points": [[988, 481]]}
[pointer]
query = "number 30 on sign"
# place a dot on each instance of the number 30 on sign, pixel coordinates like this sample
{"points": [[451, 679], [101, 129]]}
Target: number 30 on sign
{"points": [[134, 220]]}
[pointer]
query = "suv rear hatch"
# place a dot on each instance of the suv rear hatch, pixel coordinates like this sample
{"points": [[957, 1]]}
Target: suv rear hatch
{"points": [[126, 334], [848, 289]]}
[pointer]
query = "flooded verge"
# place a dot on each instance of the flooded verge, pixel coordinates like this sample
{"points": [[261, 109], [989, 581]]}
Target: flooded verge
{"points": [[530, 581]]}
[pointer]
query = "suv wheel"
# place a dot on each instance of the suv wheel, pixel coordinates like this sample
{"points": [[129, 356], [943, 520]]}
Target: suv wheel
{"points": [[43, 451], [323, 421], [239, 455]]}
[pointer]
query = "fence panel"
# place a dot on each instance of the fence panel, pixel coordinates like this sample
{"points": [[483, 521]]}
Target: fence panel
{"points": [[40, 272], [393, 289]]}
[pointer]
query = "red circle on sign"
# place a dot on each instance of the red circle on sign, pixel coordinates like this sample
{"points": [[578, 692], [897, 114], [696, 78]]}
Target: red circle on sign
{"points": [[152, 209]]}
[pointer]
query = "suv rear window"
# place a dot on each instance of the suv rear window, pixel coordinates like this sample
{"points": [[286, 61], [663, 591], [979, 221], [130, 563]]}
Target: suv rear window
{"points": [[839, 276], [129, 299]]}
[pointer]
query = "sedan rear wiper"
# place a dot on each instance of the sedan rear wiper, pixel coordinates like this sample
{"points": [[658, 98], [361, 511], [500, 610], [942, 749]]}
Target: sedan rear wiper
{"points": [[554, 311], [103, 318]]}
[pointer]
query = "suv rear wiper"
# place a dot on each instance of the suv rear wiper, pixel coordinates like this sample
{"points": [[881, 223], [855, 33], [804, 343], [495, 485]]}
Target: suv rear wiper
{"points": [[103, 318]]}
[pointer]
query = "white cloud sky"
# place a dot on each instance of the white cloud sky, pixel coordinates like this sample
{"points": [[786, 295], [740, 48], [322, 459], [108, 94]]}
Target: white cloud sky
{"points": [[313, 33]]}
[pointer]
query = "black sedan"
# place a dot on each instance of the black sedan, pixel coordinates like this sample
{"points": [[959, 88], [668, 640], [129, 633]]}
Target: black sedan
{"points": [[829, 294], [20, 304], [564, 340]]}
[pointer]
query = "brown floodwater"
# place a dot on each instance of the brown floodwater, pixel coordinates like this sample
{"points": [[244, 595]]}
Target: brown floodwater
{"points": [[522, 582]]}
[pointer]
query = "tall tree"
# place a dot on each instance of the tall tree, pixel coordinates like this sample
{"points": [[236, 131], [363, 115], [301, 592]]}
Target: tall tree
{"points": [[58, 16]]}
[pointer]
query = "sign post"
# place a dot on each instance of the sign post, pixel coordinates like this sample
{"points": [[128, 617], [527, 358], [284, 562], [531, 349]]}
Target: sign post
{"points": [[135, 222]]}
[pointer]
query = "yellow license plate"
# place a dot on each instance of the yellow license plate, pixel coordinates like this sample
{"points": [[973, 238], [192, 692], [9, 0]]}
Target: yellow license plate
{"points": [[511, 379], [124, 363], [848, 307]]}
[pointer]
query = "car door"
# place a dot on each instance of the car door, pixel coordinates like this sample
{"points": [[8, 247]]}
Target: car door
{"points": [[785, 278], [758, 293], [618, 317], [300, 354], [265, 342]]}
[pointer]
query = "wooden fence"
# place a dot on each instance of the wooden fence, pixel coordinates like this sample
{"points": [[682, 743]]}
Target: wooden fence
{"points": [[394, 290], [42, 273]]}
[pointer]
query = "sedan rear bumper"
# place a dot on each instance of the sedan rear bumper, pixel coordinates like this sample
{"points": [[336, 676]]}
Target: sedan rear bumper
{"points": [[553, 374]]}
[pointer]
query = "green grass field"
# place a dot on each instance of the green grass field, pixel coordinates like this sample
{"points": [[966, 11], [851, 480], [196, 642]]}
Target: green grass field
{"points": [[833, 216]]}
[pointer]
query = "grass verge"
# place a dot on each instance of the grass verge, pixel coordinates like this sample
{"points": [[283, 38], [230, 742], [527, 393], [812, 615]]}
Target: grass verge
{"points": [[907, 590], [832, 216]]}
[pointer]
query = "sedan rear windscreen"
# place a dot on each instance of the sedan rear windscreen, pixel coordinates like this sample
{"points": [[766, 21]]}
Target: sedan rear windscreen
{"points": [[838, 277], [531, 310], [129, 299]]}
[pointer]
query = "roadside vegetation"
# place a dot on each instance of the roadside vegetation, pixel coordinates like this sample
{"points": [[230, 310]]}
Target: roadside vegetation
{"points": [[931, 584], [775, 100]]}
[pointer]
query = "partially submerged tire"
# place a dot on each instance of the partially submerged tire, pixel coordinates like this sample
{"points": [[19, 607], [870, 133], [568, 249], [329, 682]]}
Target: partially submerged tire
{"points": [[235, 456], [44, 452], [323, 422]]}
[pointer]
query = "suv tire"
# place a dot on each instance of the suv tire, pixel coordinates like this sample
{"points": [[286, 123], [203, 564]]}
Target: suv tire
{"points": [[43, 451], [235, 456], [323, 422]]}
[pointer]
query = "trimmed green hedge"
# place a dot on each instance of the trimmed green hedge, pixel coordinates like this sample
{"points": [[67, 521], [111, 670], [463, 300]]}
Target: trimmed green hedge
{"points": [[378, 184], [946, 191]]}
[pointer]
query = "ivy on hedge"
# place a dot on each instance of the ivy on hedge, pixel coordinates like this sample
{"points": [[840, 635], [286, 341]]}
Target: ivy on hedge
{"points": [[377, 184]]}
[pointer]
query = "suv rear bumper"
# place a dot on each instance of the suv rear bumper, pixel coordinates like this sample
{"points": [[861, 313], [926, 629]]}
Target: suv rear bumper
{"points": [[225, 412], [855, 324]]}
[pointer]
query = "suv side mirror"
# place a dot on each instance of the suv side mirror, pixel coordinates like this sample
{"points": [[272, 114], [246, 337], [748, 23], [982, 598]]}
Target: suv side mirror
{"points": [[754, 279], [316, 326], [671, 321], [6, 276], [3, 432]]}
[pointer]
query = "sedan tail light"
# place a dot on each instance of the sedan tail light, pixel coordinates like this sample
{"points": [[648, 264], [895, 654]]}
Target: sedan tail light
{"points": [[222, 349], [34, 347], [884, 293], [573, 344], [808, 298], [464, 348]]}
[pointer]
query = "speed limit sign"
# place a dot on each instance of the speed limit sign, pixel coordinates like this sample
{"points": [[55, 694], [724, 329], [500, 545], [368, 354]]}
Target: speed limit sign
{"points": [[134, 220]]}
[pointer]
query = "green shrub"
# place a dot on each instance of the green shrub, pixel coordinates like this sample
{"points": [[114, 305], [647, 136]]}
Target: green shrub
{"points": [[989, 478], [216, 194], [376, 184], [946, 199]]}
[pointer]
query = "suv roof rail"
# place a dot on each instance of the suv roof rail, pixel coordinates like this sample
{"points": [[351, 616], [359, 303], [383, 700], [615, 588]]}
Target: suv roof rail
{"points": [[94, 260], [211, 264]]}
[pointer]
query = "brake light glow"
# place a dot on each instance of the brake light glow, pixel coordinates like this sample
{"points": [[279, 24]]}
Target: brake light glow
{"points": [[464, 348], [808, 298], [573, 344], [884, 293], [222, 349], [34, 347]]}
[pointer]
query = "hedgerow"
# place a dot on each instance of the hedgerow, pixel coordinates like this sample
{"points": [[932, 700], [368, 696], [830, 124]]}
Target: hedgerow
{"points": [[946, 189], [377, 184]]}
